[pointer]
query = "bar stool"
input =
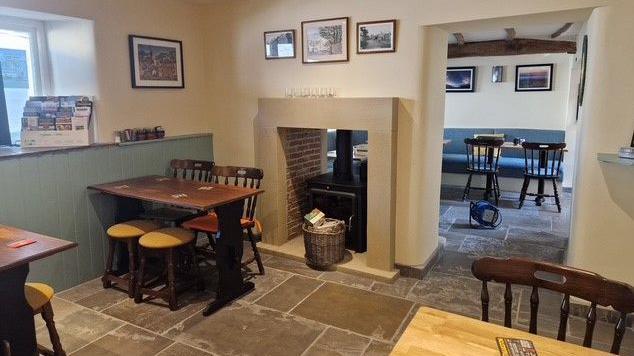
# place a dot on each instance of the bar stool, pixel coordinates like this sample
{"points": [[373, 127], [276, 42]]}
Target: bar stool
{"points": [[128, 232], [166, 241], [39, 296]]}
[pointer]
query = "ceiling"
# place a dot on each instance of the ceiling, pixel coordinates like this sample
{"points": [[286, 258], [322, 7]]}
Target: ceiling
{"points": [[542, 31]]}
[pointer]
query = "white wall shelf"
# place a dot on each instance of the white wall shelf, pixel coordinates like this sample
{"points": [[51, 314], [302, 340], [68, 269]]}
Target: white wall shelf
{"points": [[615, 159]]}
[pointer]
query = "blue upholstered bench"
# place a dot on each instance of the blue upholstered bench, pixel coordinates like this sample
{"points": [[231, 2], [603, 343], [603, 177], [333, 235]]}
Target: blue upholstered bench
{"points": [[511, 164]]}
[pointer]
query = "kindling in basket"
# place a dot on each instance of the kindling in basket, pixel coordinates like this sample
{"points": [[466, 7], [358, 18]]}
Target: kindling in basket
{"points": [[325, 247]]}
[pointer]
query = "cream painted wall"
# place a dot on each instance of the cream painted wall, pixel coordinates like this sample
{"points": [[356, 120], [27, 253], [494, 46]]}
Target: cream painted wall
{"points": [[119, 106], [603, 200], [239, 75], [498, 105]]}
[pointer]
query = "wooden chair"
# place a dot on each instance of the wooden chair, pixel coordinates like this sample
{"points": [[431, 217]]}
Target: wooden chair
{"points": [[129, 233], [184, 169], [238, 176], [167, 242], [483, 154], [563, 279], [39, 296], [542, 161]]}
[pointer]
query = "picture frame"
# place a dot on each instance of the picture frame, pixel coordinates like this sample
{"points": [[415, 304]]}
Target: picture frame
{"points": [[534, 77], [376, 37], [279, 44], [582, 81], [156, 63], [497, 74], [461, 79], [325, 41]]}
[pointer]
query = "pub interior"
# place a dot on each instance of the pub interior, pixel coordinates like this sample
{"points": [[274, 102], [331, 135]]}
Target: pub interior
{"points": [[281, 177]]}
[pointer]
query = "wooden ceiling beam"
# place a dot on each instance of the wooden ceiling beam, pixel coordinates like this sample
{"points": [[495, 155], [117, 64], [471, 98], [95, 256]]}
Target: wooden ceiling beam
{"points": [[504, 48], [510, 34], [459, 38], [561, 30]]}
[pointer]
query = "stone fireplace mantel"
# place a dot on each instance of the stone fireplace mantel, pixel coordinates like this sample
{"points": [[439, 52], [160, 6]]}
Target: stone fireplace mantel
{"points": [[377, 116]]}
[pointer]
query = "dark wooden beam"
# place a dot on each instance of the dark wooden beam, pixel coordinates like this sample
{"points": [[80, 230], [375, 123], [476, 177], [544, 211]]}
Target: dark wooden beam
{"points": [[563, 29], [505, 48], [459, 38], [510, 34]]}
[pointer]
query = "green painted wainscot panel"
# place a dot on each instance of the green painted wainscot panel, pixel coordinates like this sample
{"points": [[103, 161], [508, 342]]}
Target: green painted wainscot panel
{"points": [[47, 193]]}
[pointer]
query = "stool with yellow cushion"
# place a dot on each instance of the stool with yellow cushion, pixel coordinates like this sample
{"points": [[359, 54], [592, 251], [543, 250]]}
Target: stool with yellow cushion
{"points": [[39, 295], [129, 233], [166, 242]]}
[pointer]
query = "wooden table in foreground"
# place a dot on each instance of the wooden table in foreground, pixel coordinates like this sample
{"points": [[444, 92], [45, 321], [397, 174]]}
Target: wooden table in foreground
{"points": [[435, 332], [226, 200], [16, 317]]}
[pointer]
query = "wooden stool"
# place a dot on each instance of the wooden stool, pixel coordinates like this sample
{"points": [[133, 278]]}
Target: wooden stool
{"points": [[39, 295], [128, 232], [166, 241]]}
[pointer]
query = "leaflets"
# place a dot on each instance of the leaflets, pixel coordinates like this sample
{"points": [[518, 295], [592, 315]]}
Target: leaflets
{"points": [[515, 347], [57, 113]]}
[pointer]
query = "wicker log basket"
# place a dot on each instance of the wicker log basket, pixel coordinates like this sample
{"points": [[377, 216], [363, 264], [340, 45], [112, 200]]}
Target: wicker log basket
{"points": [[324, 249]]}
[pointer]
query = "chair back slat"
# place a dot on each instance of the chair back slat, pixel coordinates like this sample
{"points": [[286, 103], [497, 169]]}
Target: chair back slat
{"points": [[563, 317], [191, 169], [508, 305], [483, 153], [570, 281], [545, 159], [240, 176], [534, 310], [619, 332], [484, 297]]}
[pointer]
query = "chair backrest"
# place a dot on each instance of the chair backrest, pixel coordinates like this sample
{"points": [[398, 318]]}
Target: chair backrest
{"points": [[569, 281], [247, 177], [543, 159], [483, 153], [191, 169]]}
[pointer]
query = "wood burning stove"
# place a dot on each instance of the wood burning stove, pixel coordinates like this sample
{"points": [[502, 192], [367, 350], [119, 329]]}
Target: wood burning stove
{"points": [[342, 194]]}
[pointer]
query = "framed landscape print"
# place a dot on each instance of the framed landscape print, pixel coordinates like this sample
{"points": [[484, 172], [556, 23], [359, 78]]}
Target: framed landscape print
{"points": [[156, 62], [534, 77], [460, 79], [279, 44], [376, 37], [325, 40]]}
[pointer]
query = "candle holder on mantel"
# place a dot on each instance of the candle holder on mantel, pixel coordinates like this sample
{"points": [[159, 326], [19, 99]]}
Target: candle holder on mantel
{"points": [[310, 92]]}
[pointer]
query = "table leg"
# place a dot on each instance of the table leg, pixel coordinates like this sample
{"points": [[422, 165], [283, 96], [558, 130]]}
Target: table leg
{"points": [[489, 187], [126, 209], [16, 317], [229, 256], [543, 162]]}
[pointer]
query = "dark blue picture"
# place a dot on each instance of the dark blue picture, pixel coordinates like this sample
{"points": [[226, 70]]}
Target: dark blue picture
{"points": [[460, 79]]}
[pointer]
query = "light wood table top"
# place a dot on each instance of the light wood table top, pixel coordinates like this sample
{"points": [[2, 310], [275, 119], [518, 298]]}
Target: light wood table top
{"points": [[435, 332], [44, 246], [177, 192]]}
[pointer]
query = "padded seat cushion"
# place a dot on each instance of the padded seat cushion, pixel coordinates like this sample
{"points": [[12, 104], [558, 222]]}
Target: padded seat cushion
{"points": [[131, 229], [166, 238], [38, 294], [209, 224]]}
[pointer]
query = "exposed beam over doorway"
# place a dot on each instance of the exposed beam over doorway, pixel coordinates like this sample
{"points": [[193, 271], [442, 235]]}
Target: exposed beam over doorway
{"points": [[504, 48]]}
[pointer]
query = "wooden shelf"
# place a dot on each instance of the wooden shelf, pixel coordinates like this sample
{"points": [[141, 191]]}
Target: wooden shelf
{"points": [[614, 158]]}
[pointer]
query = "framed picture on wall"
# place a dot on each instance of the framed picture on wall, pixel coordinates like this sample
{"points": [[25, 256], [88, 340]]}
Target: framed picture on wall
{"points": [[376, 37], [156, 62], [582, 81], [497, 74], [461, 79], [325, 40], [534, 77], [279, 44]]}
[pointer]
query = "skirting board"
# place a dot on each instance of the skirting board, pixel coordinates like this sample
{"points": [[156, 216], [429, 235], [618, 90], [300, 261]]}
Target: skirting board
{"points": [[420, 271]]}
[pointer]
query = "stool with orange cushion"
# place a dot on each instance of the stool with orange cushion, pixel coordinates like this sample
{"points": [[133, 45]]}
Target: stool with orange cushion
{"points": [[39, 296], [238, 176], [166, 241], [129, 233]]}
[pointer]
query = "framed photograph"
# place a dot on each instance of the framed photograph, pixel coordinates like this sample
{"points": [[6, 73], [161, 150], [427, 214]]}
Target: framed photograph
{"points": [[376, 37], [461, 79], [534, 77], [497, 74], [582, 81], [325, 40], [279, 44], [156, 62]]}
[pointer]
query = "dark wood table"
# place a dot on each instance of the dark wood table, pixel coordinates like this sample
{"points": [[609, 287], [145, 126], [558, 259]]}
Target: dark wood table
{"points": [[226, 200], [16, 317]]}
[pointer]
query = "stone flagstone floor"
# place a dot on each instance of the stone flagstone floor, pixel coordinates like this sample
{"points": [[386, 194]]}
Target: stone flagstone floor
{"points": [[295, 310]]}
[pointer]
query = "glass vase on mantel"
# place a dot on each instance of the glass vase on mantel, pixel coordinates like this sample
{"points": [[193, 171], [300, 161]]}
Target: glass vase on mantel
{"points": [[310, 92]]}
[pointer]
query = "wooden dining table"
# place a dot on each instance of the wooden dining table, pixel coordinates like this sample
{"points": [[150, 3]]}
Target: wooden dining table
{"points": [[227, 201], [17, 326], [436, 332]]}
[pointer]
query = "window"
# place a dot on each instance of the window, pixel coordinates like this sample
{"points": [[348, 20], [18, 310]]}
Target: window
{"points": [[21, 73]]}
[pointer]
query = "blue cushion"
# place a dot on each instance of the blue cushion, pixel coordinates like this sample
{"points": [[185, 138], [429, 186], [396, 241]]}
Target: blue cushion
{"points": [[457, 137], [508, 166], [454, 163]]}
